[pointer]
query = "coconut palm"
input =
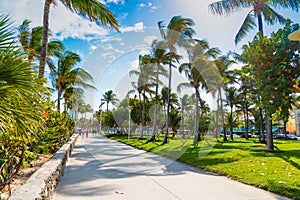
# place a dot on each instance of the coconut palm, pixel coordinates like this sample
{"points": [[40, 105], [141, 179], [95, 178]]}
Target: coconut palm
{"points": [[64, 75], [231, 94], [109, 97], [226, 77], [145, 81], [260, 9], [196, 71], [159, 57], [31, 41], [92, 9], [178, 30]]}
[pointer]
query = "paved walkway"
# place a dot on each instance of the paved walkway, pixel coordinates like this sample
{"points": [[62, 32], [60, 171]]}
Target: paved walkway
{"points": [[100, 168]]}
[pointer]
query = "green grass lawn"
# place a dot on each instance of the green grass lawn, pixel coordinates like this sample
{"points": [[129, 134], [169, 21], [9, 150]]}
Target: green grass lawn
{"points": [[241, 159]]}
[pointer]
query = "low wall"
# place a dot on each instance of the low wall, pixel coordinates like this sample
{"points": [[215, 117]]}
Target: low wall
{"points": [[42, 183]]}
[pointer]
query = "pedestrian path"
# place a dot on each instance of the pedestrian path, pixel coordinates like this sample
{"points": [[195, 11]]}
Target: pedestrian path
{"points": [[100, 168]]}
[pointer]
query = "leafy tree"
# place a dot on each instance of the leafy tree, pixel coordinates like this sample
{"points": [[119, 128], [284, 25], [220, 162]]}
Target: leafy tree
{"points": [[275, 68], [92, 9], [262, 9]]}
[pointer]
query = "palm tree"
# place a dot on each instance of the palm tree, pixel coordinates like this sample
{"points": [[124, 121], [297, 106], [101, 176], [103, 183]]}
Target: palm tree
{"points": [[31, 41], [64, 75], [110, 97], [178, 30], [259, 8], [158, 57], [145, 81], [231, 94], [195, 71], [92, 9], [227, 77]]}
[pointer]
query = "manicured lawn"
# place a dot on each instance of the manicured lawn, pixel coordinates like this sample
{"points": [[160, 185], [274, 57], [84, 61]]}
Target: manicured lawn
{"points": [[242, 160]]}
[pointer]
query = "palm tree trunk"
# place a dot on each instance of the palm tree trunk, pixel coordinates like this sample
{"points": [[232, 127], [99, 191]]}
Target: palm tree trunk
{"points": [[197, 118], [231, 122], [222, 114], [44, 38], [58, 99], [168, 102], [270, 146], [260, 24], [141, 114], [155, 109]]}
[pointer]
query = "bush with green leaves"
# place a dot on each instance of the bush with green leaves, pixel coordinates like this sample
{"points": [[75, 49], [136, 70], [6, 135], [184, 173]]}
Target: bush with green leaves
{"points": [[56, 131]]}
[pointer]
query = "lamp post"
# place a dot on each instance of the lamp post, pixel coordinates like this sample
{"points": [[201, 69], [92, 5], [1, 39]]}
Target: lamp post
{"points": [[100, 109]]}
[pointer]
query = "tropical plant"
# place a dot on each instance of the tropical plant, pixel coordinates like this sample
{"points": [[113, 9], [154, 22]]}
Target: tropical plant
{"points": [[109, 97], [262, 9], [230, 101], [159, 57], [177, 32], [197, 70], [92, 9], [21, 104], [31, 41], [64, 74], [144, 83]]}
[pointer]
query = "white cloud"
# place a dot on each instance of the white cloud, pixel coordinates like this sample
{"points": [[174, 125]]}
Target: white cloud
{"points": [[149, 5], [149, 39], [134, 63], [138, 27], [62, 22], [115, 1]]}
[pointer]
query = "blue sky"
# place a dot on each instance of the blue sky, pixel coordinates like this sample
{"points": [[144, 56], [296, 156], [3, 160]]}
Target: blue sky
{"points": [[109, 55]]}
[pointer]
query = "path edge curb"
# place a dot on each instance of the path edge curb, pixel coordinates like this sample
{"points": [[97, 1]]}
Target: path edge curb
{"points": [[42, 183]]}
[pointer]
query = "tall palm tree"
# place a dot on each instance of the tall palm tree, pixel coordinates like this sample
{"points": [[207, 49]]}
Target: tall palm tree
{"points": [[145, 81], [159, 57], [231, 94], [64, 75], [178, 30], [260, 9], [92, 9], [109, 97], [195, 70], [31, 41], [227, 77]]}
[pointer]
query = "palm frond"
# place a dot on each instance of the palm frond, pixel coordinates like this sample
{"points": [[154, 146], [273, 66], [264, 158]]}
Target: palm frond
{"points": [[248, 24], [272, 17], [228, 6], [94, 10]]}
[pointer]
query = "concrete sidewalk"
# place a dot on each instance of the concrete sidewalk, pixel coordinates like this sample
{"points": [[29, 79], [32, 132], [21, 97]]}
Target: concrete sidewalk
{"points": [[100, 168]]}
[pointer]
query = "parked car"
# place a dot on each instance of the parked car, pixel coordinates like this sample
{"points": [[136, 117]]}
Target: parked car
{"points": [[291, 137], [285, 137]]}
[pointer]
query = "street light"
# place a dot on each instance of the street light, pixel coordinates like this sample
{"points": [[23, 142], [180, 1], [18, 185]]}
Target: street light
{"points": [[100, 109]]}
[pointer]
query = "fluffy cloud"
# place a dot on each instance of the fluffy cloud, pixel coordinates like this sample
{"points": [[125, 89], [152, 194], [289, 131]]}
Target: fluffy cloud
{"points": [[149, 5], [149, 39], [62, 22], [138, 27]]}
